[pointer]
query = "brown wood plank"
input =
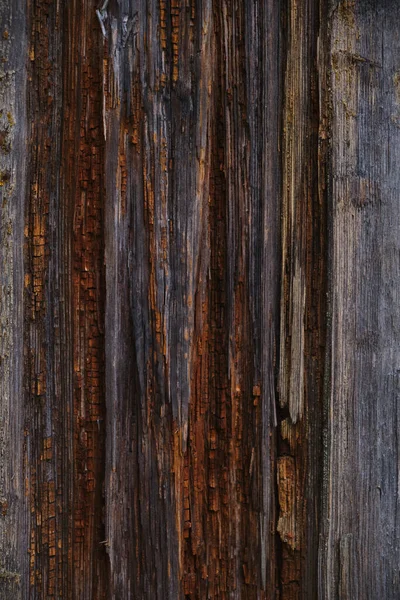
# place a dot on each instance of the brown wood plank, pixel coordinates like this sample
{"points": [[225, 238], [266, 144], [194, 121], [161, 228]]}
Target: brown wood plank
{"points": [[191, 221], [198, 299], [64, 304]]}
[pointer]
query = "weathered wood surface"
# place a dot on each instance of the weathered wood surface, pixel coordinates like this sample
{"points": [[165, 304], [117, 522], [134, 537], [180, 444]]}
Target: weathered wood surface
{"points": [[199, 248], [191, 225], [14, 504], [361, 535]]}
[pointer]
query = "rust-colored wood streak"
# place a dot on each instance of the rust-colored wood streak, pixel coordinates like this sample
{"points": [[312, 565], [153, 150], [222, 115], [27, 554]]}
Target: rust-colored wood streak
{"points": [[64, 304], [189, 464], [198, 299]]}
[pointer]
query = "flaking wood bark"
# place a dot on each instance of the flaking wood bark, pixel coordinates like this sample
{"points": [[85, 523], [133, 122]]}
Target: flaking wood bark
{"points": [[198, 302]]}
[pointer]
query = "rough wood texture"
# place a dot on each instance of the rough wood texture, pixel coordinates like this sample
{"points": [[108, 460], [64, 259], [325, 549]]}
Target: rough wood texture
{"points": [[360, 550], [199, 250], [303, 305], [64, 300], [190, 325], [14, 509]]}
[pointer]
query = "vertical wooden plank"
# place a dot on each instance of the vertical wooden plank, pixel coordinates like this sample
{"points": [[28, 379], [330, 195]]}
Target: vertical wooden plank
{"points": [[191, 121], [270, 178], [82, 210], [360, 549], [146, 152], [64, 297], [156, 126], [303, 306], [13, 138]]}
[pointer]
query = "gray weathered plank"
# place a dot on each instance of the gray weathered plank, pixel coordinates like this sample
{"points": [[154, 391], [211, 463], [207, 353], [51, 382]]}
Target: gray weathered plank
{"points": [[14, 513], [360, 547]]}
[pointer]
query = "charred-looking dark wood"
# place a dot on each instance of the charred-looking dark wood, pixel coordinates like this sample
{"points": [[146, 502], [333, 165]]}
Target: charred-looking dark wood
{"points": [[192, 177], [199, 250], [64, 304]]}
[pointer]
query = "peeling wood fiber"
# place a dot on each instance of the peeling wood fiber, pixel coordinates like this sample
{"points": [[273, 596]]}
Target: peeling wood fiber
{"points": [[198, 299]]}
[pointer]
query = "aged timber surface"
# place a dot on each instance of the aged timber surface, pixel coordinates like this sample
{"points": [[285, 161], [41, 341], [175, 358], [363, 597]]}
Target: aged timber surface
{"points": [[64, 303], [191, 224], [14, 506], [199, 312], [361, 535]]}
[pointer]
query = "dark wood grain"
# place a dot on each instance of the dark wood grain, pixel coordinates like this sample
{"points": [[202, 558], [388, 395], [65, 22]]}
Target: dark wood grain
{"points": [[198, 299], [188, 177], [64, 304]]}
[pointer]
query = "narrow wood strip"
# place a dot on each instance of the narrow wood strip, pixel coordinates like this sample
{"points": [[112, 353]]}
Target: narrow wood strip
{"points": [[14, 512]]}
